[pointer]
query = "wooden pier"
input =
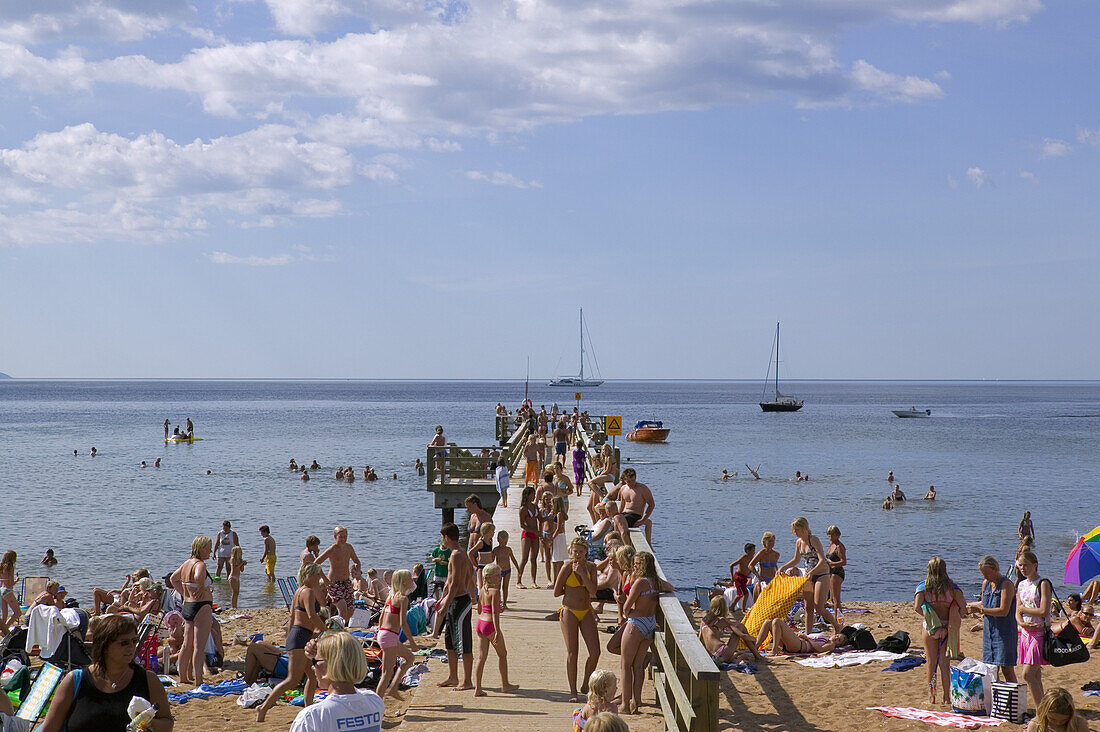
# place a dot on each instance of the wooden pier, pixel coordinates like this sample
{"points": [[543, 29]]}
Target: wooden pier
{"points": [[682, 690]]}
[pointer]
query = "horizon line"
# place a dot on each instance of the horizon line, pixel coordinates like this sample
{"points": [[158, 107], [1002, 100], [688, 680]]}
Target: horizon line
{"points": [[981, 380]]}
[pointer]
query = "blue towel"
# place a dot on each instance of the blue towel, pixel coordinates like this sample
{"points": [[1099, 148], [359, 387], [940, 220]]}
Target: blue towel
{"points": [[1092, 693], [904, 664], [741, 668], [233, 687]]}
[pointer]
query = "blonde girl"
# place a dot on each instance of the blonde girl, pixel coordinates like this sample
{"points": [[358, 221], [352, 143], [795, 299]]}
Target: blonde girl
{"points": [[488, 629], [393, 621], [808, 548], [559, 545], [576, 586], [236, 564], [624, 563], [504, 558], [1056, 713], [192, 581], [640, 609], [944, 600], [561, 480], [548, 525], [8, 601], [603, 689]]}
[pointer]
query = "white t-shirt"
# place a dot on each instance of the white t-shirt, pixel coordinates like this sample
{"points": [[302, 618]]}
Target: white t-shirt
{"points": [[358, 712]]}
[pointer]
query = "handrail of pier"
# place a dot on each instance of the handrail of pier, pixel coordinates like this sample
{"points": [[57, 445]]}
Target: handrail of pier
{"points": [[514, 447], [684, 674]]}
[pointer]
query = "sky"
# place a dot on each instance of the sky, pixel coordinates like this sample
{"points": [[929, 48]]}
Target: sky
{"points": [[430, 189]]}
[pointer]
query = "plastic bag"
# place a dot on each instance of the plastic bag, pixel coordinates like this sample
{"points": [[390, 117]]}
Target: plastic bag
{"points": [[971, 691]]}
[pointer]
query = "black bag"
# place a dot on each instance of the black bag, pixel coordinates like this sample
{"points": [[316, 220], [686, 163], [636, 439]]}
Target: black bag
{"points": [[861, 638], [896, 643], [1064, 647]]}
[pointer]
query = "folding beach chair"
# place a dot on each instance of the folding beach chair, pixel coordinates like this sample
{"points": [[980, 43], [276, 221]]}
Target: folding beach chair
{"points": [[30, 588], [40, 694], [288, 587], [702, 597]]}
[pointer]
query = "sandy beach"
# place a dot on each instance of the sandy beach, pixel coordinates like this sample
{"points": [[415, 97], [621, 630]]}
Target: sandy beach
{"points": [[782, 695]]}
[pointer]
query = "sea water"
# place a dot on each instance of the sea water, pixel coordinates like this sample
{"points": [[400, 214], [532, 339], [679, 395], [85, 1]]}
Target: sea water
{"points": [[993, 450]]}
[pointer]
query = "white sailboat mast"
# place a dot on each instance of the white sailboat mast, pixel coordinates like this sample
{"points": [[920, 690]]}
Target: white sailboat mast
{"points": [[582, 342]]}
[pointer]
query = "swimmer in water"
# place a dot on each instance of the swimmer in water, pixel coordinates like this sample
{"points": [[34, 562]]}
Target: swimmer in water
{"points": [[143, 464], [890, 477], [93, 451], [887, 505], [755, 471], [314, 465], [156, 463], [897, 495], [726, 474], [931, 494], [208, 472], [305, 475]]}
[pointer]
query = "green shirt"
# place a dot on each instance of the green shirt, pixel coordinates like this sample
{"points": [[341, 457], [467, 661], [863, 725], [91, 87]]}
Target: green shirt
{"points": [[441, 569]]}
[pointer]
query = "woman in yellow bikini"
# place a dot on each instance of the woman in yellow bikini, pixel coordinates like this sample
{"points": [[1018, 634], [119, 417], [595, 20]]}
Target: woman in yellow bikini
{"points": [[576, 586]]}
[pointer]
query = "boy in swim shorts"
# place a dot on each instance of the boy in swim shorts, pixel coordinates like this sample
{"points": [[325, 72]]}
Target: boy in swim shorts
{"points": [[741, 572], [269, 553]]}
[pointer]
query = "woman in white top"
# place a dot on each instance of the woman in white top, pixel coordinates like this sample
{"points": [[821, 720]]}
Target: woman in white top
{"points": [[1032, 618], [340, 659], [224, 542]]}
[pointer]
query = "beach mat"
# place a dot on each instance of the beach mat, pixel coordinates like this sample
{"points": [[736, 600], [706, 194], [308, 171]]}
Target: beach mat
{"points": [[775, 601]]}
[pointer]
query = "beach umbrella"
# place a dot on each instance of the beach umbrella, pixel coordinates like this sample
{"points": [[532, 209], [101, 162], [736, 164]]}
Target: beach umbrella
{"points": [[1083, 562]]}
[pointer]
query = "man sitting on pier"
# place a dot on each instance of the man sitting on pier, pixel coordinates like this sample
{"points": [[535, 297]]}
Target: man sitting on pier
{"points": [[636, 503], [453, 611]]}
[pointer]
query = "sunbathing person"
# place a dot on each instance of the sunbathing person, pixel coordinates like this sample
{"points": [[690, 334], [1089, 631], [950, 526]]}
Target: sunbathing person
{"points": [[785, 641], [101, 599], [54, 595], [265, 657], [142, 600], [716, 622]]}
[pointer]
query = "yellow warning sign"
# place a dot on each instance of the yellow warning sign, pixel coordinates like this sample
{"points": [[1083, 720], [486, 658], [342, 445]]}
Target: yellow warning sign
{"points": [[614, 425], [577, 395]]}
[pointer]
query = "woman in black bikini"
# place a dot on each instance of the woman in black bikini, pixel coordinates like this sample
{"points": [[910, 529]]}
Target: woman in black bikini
{"points": [[305, 620], [192, 581], [837, 557], [808, 547]]}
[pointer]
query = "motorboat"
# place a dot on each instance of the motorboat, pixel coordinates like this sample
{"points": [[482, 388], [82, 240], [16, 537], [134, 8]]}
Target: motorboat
{"points": [[913, 413], [781, 402], [648, 431], [579, 380]]}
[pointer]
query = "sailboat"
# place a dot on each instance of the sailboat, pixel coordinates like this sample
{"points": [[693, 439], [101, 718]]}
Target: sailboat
{"points": [[782, 402], [579, 380]]}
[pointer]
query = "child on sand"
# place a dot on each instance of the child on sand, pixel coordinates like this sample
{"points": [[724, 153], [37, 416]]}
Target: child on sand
{"points": [[504, 558], [741, 571], [391, 624], [488, 629], [170, 654], [236, 565], [603, 690]]}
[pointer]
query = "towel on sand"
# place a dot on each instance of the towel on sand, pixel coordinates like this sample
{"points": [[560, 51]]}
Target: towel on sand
{"points": [[855, 658], [904, 664], [940, 719]]}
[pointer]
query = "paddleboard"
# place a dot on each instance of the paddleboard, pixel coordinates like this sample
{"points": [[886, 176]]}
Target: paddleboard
{"points": [[184, 439]]}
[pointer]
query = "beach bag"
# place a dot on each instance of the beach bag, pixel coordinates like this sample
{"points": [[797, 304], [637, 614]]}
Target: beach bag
{"points": [[417, 619], [615, 642], [896, 643], [861, 638], [1009, 701], [971, 691], [1064, 647]]}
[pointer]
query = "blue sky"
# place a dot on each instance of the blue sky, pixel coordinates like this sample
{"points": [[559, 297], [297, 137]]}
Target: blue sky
{"points": [[388, 188]]}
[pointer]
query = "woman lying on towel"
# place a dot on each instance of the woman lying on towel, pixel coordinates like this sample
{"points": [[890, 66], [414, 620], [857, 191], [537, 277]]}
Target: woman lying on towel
{"points": [[787, 642], [143, 599]]}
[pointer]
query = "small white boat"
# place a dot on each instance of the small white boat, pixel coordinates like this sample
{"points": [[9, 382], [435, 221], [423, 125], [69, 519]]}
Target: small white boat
{"points": [[913, 412], [578, 381]]}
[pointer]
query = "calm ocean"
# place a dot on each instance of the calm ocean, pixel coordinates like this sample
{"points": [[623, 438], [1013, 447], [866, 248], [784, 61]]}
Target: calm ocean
{"points": [[991, 449]]}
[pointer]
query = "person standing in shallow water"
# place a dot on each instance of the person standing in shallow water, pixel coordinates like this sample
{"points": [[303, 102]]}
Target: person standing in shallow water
{"points": [[1026, 529]]}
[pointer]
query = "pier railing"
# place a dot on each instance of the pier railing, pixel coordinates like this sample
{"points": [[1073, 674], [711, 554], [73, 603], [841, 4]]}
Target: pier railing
{"points": [[684, 674], [454, 472]]}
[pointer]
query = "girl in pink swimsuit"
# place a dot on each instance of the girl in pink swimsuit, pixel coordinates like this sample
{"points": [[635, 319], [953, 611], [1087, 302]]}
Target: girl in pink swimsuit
{"points": [[393, 621], [488, 629]]}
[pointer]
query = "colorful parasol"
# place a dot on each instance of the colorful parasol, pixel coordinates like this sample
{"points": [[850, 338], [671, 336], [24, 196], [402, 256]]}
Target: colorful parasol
{"points": [[1083, 562]]}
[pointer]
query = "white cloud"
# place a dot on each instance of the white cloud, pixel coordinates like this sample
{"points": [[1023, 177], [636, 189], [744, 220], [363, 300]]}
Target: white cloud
{"points": [[891, 87], [1052, 148], [977, 176], [1089, 137], [151, 188], [972, 11], [500, 178], [27, 21], [952, 181], [251, 261], [1029, 176]]}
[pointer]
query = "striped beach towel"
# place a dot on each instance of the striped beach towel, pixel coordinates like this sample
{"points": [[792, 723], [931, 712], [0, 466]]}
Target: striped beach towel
{"points": [[775, 601], [940, 719]]}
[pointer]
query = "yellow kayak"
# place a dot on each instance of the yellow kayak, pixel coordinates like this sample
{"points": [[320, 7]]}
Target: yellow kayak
{"points": [[181, 438]]}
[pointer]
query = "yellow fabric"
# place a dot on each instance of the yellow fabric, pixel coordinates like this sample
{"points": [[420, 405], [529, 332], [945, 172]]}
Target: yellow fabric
{"points": [[775, 601], [269, 564]]}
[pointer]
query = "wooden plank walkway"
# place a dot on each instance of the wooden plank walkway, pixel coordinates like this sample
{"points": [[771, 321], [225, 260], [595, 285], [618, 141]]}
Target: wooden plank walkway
{"points": [[536, 659]]}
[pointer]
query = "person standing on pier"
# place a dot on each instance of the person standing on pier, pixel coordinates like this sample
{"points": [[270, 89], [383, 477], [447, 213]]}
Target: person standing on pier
{"points": [[453, 612], [531, 462], [576, 586], [340, 556], [439, 442]]}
